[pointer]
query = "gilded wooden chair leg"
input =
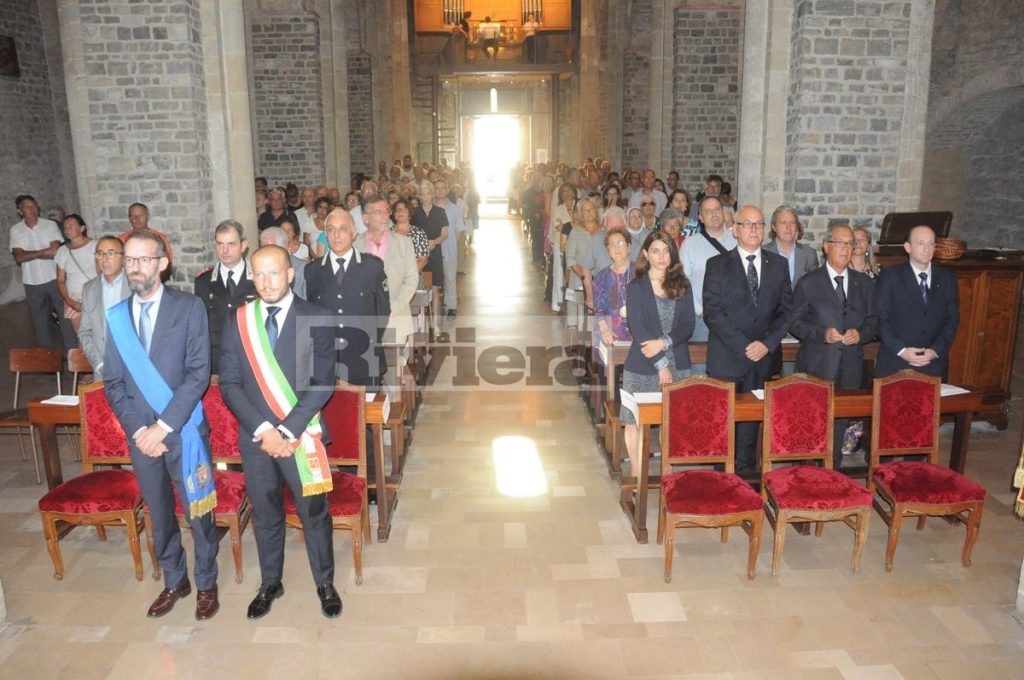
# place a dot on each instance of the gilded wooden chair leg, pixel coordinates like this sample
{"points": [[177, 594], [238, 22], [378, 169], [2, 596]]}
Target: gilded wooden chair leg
{"points": [[818, 528], [235, 531], [357, 555], [101, 532], [860, 536], [367, 534], [670, 547], [661, 517], [53, 545], [132, 524], [781, 526], [725, 534], [756, 526], [973, 526], [895, 523], [920, 522]]}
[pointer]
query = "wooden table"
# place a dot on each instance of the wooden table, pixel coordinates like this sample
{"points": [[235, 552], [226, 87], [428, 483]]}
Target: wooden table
{"points": [[385, 485], [848, 404], [46, 418]]}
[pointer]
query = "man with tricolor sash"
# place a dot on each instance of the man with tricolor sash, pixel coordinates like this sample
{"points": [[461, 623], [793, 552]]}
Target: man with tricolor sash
{"points": [[156, 368], [276, 373]]}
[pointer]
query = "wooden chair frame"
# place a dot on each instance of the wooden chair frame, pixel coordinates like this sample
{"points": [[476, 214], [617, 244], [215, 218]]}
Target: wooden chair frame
{"points": [[58, 524], [893, 513], [28, 360], [856, 517], [752, 522]]}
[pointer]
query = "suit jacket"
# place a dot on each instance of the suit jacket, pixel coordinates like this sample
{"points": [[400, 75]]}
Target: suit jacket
{"points": [[806, 259], [733, 319], [403, 279], [645, 324], [92, 333], [817, 307], [180, 350], [305, 353], [299, 281], [212, 289], [362, 304], [906, 321]]}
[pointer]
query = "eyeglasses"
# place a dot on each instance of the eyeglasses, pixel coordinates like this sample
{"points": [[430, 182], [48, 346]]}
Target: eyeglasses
{"points": [[842, 244], [141, 261], [750, 226], [646, 203], [107, 253], [618, 244]]}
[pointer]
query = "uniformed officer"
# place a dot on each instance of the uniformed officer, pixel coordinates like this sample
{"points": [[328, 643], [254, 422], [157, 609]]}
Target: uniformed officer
{"points": [[227, 285]]}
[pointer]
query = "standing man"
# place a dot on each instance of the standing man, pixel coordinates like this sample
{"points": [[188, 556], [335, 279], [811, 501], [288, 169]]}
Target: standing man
{"points": [[918, 310], [354, 287], [647, 190], [450, 247], [99, 295], [227, 285], [277, 372], [276, 236], [306, 214], [34, 243], [713, 240], [277, 208], [712, 189], [156, 368], [834, 314], [138, 218], [748, 305]]}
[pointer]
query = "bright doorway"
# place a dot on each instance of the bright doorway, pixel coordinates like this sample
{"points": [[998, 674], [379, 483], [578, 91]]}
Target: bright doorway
{"points": [[496, 144]]}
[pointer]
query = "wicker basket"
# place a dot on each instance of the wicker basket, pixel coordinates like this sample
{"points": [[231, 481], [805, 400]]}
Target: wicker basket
{"points": [[949, 249]]}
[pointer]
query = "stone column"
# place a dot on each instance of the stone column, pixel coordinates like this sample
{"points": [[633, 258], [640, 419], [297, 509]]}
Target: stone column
{"points": [[659, 145], [910, 168], [334, 67], [227, 100], [590, 112], [398, 133]]}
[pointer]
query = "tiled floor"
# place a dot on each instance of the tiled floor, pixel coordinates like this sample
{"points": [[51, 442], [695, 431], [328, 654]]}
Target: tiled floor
{"points": [[477, 584]]}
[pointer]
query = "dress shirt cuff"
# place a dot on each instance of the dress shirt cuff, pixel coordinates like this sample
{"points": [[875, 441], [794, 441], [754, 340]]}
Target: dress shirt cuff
{"points": [[167, 428], [900, 353], [661, 363], [264, 426], [138, 432], [286, 432]]}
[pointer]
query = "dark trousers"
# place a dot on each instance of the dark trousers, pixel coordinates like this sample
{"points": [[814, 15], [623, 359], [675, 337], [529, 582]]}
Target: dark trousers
{"points": [[156, 477], [747, 433], [265, 477], [41, 299]]}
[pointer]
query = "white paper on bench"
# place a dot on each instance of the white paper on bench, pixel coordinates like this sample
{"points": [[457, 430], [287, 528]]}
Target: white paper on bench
{"points": [[632, 401], [62, 400]]}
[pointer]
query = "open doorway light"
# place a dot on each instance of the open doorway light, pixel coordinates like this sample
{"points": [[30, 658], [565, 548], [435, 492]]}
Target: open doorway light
{"points": [[496, 148]]}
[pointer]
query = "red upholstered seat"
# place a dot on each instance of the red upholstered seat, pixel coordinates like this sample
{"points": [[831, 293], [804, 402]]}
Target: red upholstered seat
{"points": [[95, 492], [920, 482], [698, 422], [344, 500], [815, 488], [223, 425], [707, 492], [341, 418], [230, 485]]}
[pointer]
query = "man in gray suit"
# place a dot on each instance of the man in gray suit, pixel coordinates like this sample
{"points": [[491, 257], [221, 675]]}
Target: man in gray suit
{"points": [[785, 234], [276, 236], [99, 295]]}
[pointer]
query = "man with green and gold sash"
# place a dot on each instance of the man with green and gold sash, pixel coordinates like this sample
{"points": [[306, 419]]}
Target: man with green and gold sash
{"points": [[276, 373]]}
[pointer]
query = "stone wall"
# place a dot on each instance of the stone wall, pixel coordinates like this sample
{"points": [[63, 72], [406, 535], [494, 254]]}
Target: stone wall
{"points": [[360, 113], [31, 108], [636, 87], [288, 99], [706, 85], [848, 67]]}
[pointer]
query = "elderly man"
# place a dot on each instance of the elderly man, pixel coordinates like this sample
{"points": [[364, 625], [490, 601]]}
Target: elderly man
{"points": [[99, 295], [450, 246], [834, 314], [647, 190], [138, 218], [712, 188], [306, 213], [276, 236], [748, 306], [367, 189], [276, 209], [713, 240], [918, 309], [399, 257], [785, 234], [228, 284]]}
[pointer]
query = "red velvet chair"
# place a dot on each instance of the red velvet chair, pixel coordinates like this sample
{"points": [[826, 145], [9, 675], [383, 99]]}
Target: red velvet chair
{"points": [[798, 426], [344, 418], [99, 498], [698, 428], [905, 422], [234, 509]]}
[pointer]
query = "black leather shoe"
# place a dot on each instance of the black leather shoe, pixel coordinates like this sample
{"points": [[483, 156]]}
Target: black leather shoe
{"points": [[330, 601], [260, 605]]}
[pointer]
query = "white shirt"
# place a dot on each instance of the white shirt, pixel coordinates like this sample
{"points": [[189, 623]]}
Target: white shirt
{"points": [[757, 260], [237, 272], [307, 225], [694, 255], [154, 310], [347, 257], [38, 271], [927, 272], [357, 219], [79, 266], [285, 305], [832, 274], [111, 290]]}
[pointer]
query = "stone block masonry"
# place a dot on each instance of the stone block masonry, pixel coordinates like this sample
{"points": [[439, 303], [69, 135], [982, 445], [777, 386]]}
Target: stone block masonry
{"points": [[288, 99], [636, 109], [360, 114], [848, 68]]}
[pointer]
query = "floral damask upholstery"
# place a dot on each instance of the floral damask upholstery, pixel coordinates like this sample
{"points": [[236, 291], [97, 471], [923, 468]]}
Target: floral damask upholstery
{"points": [[799, 419], [345, 499], [223, 425], [104, 437], [230, 485], [699, 424], [100, 491], [707, 492], [920, 482], [815, 488], [341, 420], [907, 411]]}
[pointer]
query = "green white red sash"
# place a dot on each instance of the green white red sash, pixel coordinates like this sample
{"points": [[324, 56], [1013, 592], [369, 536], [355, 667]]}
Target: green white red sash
{"points": [[310, 456]]}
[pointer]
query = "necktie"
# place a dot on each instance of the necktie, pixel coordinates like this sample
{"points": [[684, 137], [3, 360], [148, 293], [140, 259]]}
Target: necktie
{"points": [[924, 286], [752, 277], [231, 284], [340, 274], [145, 326], [271, 324], [840, 292]]}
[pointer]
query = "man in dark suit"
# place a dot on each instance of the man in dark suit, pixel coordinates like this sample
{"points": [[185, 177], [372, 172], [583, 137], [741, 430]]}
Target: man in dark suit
{"points": [[747, 307], [270, 443], [227, 285], [918, 310], [835, 313], [352, 286], [98, 295], [172, 330]]}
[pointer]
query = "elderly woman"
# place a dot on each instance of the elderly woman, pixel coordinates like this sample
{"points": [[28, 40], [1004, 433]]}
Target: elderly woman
{"points": [[581, 254], [647, 210], [863, 258], [76, 264], [610, 293], [561, 225], [637, 232], [671, 222], [659, 308], [401, 215], [786, 231]]}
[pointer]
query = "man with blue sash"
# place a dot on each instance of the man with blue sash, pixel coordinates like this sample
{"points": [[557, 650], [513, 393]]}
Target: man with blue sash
{"points": [[156, 369]]}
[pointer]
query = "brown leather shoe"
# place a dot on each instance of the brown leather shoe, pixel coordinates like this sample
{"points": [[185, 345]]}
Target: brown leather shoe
{"points": [[206, 604], [164, 602]]}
